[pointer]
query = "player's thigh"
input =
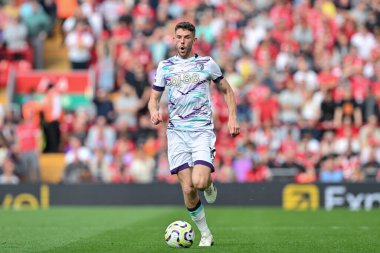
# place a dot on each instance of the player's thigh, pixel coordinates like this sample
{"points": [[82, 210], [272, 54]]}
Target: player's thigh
{"points": [[203, 153], [179, 153], [203, 149]]}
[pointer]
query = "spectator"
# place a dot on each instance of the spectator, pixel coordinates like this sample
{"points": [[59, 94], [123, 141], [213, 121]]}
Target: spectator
{"points": [[50, 8], [311, 108], [28, 143], [369, 133], [329, 172], [163, 172], [11, 9], [259, 173], [77, 160], [137, 78], [246, 67], [267, 109], [120, 33], [327, 143], [364, 41], [15, 37], [371, 168], [346, 138], [142, 167], [51, 115], [305, 77], [233, 77], [290, 101], [352, 63], [8, 125], [126, 107], [8, 176], [290, 163], [80, 43], [144, 130], [111, 10], [253, 34], [347, 107], [158, 46], [286, 60], [99, 165], [308, 176], [104, 105], [342, 46], [105, 67], [303, 34], [3, 149], [122, 159], [31, 108], [76, 123], [66, 8], [244, 111], [38, 24], [359, 12], [241, 166], [327, 110], [224, 172], [70, 23], [101, 135], [91, 11]]}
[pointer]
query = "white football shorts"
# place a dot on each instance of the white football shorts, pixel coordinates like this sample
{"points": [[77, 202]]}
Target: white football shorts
{"points": [[188, 148]]}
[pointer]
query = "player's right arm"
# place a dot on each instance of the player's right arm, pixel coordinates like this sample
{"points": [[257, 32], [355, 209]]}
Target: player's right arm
{"points": [[155, 96], [229, 97], [154, 106]]}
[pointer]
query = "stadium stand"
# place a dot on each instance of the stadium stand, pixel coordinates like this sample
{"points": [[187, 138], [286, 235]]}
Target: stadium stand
{"points": [[51, 168], [305, 73]]}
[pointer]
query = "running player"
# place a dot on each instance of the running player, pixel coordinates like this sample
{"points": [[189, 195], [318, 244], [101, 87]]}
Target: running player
{"points": [[190, 131]]}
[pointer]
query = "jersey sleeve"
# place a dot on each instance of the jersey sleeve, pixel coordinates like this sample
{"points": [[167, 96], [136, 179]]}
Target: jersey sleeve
{"points": [[159, 81], [215, 71]]}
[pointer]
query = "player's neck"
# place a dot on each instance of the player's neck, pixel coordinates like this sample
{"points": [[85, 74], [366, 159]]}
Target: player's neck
{"points": [[190, 55]]}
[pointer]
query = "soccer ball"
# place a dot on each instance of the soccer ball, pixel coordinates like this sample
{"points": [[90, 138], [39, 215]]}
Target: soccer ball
{"points": [[179, 234]]}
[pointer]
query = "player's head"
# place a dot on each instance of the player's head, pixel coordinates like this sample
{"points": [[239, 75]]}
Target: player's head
{"points": [[184, 25], [184, 38]]}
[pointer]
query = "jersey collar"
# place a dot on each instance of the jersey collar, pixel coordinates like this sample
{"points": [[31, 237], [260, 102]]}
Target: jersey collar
{"points": [[188, 59]]}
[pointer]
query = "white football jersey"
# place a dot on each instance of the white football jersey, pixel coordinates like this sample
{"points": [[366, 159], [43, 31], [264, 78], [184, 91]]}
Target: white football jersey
{"points": [[188, 82]]}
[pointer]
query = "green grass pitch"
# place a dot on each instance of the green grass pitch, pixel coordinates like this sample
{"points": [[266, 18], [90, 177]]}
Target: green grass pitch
{"points": [[141, 229]]}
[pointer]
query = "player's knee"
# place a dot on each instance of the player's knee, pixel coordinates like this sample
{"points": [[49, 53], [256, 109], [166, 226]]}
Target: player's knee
{"points": [[200, 184], [188, 190]]}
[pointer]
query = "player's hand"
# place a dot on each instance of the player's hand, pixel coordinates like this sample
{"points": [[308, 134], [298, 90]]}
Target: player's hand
{"points": [[156, 118], [233, 127]]}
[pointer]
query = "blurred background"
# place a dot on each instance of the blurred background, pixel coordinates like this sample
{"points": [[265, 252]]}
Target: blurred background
{"points": [[75, 79]]}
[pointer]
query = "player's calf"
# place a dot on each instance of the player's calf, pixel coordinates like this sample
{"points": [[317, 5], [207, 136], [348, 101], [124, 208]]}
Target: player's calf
{"points": [[211, 193]]}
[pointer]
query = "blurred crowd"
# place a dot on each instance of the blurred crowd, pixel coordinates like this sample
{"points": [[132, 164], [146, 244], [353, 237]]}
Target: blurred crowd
{"points": [[306, 76]]}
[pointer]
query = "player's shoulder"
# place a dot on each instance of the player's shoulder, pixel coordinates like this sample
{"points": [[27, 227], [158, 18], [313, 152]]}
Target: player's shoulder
{"points": [[204, 59], [168, 62]]}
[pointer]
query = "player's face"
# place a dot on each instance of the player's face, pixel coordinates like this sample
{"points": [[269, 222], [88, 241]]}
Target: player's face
{"points": [[184, 40]]}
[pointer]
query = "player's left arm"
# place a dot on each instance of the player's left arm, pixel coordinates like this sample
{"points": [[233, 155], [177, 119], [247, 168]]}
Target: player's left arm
{"points": [[229, 97]]}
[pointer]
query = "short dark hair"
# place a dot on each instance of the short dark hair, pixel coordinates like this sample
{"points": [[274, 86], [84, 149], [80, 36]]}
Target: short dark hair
{"points": [[185, 26]]}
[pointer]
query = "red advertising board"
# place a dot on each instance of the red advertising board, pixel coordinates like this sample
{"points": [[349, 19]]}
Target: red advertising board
{"points": [[76, 87], [71, 82]]}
